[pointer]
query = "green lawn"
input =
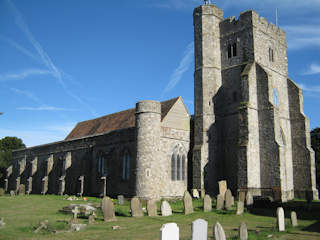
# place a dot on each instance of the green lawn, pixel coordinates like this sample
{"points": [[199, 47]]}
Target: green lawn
{"points": [[23, 213]]}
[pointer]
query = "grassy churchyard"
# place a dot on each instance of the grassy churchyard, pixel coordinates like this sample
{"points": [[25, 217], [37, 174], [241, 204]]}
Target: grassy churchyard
{"points": [[22, 215]]}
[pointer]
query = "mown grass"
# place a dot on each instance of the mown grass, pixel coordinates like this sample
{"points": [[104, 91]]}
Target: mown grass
{"points": [[22, 215]]}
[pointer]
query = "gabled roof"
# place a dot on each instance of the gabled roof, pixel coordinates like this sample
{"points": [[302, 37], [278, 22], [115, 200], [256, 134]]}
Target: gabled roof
{"points": [[112, 122]]}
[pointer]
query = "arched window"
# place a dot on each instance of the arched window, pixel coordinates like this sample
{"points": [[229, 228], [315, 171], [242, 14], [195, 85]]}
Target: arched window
{"points": [[229, 51], [173, 167], [126, 166], [178, 164]]}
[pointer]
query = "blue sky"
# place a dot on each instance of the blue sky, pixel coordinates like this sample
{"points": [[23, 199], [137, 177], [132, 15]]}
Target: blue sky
{"points": [[62, 62]]}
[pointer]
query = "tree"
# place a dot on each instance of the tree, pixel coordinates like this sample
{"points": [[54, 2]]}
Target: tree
{"points": [[315, 143], [8, 144]]}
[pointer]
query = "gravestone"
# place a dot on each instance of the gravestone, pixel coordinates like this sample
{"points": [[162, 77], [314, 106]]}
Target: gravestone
{"points": [[136, 207], [104, 185], [220, 202], [120, 199], [219, 232], [228, 200], [187, 203], [243, 232], [75, 212], [169, 231], [280, 219], [107, 208], [6, 184], [22, 189], [222, 187], [294, 220], [12, 193], [207, 203], [166, 209], [91, 219], [195, 193], [249, 199], [152, 208], [199, 230], [242, 196], [240, 208], [1, 192], [81, 180]]}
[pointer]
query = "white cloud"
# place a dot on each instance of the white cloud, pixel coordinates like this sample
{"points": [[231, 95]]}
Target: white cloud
{"points": [[311, 89], [181, 69], [313, 69], [23, 74], [43, 135], [302, 36], [46, 108]]}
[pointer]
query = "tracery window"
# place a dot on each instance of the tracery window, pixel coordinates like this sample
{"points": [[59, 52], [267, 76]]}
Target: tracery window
{"points": [[178, 165], [126, 165], [232, 50]]}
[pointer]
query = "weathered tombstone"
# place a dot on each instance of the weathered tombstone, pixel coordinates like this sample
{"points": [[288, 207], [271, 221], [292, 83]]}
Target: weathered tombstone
{"points": [[199, 230], [280, 219], [169, 231], [187, 203], [243, 232], [222, 187], [22, 189], [6, 184], [240, 208], [195, 193], [219, 232], [75, 212], [228, 200], [249, 199], [294, 220], [104, 185], [242, 196], [91, 219], [1, 192], [81, 180], [12, 193], [107, 208], [220, 202], [120, 199], [207, 203], [152, 208], [166, 209], [136, 207]]}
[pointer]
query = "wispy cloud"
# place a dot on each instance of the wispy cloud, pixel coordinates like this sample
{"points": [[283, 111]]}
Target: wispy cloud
{"points": [[311, 89], [181, 69], [313, 69], [175, 4], [302, 36], [45, 58], [23, 74]]}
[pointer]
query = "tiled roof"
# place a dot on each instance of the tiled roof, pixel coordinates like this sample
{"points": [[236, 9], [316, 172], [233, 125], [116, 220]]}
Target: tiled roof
{"points": [[115, 121]]}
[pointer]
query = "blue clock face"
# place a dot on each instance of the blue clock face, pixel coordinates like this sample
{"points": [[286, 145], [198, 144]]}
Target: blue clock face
{"points": [[276, 97]]}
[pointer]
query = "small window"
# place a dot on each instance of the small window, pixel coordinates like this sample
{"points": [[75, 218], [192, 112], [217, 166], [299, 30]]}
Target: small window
{"points": [[271, 55], [234, 49], [126, 166], [100, 163], [229, 51]]}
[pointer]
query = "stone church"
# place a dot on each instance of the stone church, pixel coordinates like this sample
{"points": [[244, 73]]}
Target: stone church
{"points": [[248, 128]]}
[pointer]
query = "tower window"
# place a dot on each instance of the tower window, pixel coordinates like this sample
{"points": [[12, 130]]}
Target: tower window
{"points": [[232, 50], [271, 55], [178, 166]]}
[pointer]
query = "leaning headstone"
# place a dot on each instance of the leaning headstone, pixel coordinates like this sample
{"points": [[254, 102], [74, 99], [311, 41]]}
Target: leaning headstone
{"points": [[195, 193], [136, 207], [249, 199], [12, 193], [199, 230], [294, 220], [152, 208], [169, 231], [242, 196], [222, 187], [240, 208], [166, 209], [107, 208], [220, 202], [22, 189], [120, 199], [243, 232], [280, 219], [228, 200], [219, 232], [1, 192], [207, 203], [187, 203]]}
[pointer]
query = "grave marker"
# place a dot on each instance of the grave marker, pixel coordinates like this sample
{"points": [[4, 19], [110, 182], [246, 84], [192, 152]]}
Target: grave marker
{"points": [[280, 219], [199, 230], [136, 207], [219, 233], [207, 203], [107, 208], [187, 203], [166, 209], [169, 231]]}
